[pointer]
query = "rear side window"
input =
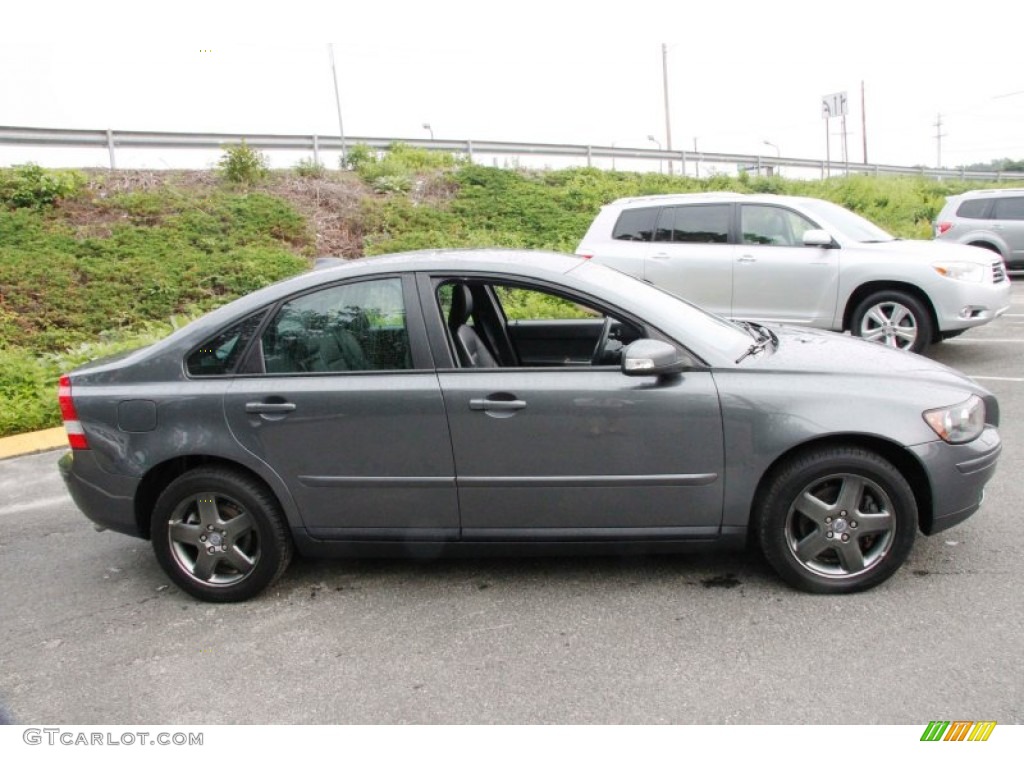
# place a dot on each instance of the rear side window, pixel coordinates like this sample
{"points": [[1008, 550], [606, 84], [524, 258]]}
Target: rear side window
{"points": [[972, 209], [1008, 208], [352, 327], [636, 224], [219, 356], [694, 224]]}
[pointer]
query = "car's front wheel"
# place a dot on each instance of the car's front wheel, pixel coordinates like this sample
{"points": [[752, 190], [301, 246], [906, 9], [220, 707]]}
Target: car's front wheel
{"points": [[837, 520], [893, 318], [219, 534]]}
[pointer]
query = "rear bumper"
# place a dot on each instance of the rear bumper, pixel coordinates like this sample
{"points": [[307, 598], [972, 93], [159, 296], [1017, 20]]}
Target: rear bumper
{"points": [[957, 474], [106, 499]]}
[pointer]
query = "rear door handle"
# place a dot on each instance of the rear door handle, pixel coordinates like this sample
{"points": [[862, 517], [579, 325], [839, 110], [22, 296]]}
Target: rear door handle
{"points": [[746, 259], [496, 405], [269, 407]]}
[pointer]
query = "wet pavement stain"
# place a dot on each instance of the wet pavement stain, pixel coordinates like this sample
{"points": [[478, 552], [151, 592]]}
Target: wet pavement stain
{"points": [[728, 581]]}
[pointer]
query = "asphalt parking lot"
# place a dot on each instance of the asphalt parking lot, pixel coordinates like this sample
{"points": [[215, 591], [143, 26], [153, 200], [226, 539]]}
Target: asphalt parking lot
{"points": [[92, 632]]}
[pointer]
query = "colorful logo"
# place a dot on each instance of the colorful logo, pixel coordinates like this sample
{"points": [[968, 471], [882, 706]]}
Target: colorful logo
{"points": [[958, 730]]}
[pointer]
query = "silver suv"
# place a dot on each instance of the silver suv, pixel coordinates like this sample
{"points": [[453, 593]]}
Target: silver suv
{"points": [[988, 218], [802, 261]]}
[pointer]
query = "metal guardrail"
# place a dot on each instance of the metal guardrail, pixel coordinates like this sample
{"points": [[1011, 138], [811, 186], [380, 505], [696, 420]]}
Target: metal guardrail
{"points": [[112, 140]]}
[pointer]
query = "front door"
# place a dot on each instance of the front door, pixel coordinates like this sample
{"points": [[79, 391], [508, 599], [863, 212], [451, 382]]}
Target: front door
{"points": [[778, 279], [564, 446]]}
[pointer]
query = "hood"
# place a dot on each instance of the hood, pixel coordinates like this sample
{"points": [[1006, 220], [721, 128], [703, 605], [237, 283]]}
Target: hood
{"points": [[931, 250], [805, 350]]}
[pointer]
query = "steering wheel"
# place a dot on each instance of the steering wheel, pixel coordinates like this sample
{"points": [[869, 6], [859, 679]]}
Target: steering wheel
{"points": [[602, 341]]}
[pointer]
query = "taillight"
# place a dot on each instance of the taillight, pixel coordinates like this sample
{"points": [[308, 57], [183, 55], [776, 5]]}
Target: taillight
{"points": [[942, 227], [76, 435]]}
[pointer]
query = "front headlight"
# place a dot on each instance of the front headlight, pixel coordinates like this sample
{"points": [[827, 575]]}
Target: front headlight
{"points": [[959, 423], [961, 270]]}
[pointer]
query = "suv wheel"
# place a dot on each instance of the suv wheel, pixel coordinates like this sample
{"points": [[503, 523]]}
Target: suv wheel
{"points": [[894, 318]]}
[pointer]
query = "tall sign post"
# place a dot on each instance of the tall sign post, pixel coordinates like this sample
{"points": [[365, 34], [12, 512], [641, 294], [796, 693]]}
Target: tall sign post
{"points": [[833, 105]]}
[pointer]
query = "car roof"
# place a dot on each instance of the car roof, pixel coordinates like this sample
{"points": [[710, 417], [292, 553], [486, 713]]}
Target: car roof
{"points": [[704, 197], [987, 192], [458, 259]]}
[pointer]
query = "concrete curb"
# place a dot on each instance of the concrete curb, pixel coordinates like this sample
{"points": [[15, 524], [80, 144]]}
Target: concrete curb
{"points": [[33, 442]]}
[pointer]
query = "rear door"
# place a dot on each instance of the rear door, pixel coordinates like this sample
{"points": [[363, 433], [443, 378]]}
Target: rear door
{"points": [[691, 255], [348, 411], [1008, 213]]}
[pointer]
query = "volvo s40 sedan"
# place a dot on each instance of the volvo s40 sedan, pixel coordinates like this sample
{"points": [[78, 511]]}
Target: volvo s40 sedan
{"points": [[491, 402]]}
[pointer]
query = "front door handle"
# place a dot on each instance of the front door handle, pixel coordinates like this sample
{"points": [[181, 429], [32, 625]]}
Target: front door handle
{"points": [[746, 259]]}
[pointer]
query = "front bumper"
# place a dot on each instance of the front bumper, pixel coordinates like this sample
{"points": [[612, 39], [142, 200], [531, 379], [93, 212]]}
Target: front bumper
{"points": [[957, 474], [967, 305], [106, 499]]}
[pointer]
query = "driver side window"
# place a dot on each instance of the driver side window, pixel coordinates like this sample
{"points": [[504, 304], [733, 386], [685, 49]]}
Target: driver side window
{"points": [[494, 325]]}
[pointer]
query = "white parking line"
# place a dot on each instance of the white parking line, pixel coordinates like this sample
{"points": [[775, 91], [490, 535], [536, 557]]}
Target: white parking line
{"points": [[984, 341]]}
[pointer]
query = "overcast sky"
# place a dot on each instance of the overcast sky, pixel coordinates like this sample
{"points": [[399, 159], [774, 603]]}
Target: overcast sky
{"points": [[740, 73]]}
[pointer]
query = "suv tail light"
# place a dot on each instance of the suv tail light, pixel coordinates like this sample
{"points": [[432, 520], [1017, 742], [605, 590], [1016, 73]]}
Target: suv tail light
{"points": [[76, 435], [942, 227]]}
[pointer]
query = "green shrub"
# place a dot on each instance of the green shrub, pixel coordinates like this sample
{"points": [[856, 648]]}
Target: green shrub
{"points": [[396, 169], [308, 168], [62, 286], [241, 164], [29, 186]]}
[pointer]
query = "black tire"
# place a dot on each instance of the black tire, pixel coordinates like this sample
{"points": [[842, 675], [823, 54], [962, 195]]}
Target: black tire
{"points": [[894, 318], [837, 520], [219, 535]]}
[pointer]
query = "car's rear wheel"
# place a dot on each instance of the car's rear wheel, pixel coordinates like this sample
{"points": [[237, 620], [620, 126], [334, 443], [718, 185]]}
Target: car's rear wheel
{"points": [[837, 520], [220, 535]]}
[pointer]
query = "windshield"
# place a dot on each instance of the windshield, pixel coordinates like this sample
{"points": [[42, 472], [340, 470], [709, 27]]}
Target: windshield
{"points": [[706, 334], [847, 223]]}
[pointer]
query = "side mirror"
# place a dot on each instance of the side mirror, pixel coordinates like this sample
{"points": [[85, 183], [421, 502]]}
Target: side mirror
{"points": [[650, 357], [818, 238]]}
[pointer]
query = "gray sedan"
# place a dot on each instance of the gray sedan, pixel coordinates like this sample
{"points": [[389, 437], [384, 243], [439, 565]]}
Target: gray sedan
{"points": [[503, 402]]}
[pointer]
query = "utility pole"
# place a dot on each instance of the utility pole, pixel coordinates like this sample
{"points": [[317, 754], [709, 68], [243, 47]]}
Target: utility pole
{"points": [[337, 101], [938, 140], [864, 121], [668, 119]]}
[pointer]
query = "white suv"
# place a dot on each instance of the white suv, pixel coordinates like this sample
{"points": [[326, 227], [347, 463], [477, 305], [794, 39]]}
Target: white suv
{"points": [[800, 260]]}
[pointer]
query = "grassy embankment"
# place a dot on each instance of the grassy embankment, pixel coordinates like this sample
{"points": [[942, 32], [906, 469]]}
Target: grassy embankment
{"points": [[95, 263]]}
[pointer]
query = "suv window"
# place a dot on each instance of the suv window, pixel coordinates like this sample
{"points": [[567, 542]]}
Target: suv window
{"points": [[771, 225], [219, 355], [351, 327], [694, 224], [636, 224], [1008, 208], [972, 209]]}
